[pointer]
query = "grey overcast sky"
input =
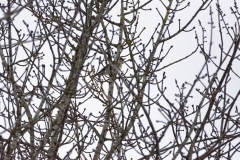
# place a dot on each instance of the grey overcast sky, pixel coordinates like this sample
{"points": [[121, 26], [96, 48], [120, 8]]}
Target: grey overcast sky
{"points": [[183, 45]]}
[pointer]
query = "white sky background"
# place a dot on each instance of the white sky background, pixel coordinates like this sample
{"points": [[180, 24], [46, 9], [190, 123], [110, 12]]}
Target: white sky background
{"points": [[183, 45]]}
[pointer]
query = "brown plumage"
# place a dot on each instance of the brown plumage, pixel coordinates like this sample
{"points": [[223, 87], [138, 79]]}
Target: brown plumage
{"points": [[106, 69]]}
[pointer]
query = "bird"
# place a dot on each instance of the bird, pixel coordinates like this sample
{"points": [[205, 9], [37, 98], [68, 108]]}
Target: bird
{"points": [[106, 70]]}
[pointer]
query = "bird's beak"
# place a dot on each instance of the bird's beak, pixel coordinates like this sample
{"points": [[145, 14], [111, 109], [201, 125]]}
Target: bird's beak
{"points": [[122, 59]]}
